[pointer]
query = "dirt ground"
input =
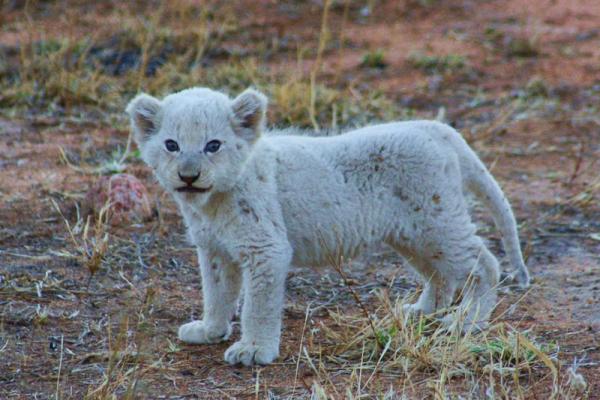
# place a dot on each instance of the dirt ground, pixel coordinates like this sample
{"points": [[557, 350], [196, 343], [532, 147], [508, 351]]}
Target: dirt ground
{"points": [[524, 91]]}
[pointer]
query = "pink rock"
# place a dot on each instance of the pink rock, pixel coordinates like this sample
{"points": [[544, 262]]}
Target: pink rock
{"points": [[127, 196]]}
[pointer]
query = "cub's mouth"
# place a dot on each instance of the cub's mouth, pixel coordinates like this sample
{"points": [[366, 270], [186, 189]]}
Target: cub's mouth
{"points": [[192, 189]]}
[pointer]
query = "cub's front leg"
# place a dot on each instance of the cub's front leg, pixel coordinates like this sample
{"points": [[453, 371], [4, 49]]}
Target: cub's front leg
{"points": [[265, 268], [221, 280]]}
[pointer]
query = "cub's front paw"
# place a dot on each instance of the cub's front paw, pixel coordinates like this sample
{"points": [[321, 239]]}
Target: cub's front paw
{"points": [[250, 354], [197, 332]]}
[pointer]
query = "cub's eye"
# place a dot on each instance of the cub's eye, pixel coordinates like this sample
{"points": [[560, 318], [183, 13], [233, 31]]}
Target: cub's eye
{"points": [[171, 145], [212, 146]]}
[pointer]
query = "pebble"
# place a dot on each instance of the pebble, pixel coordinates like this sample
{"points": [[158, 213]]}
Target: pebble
{"points": [[128, 198]]}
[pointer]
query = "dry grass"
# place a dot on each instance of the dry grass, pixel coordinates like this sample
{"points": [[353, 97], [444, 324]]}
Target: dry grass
{"points": [[436, 63], [90, 248], [428, 359], [379, 345], [153, 54]]}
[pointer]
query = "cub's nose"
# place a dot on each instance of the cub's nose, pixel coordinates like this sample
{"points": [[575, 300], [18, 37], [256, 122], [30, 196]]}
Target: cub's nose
{"points": [[189, 179]]}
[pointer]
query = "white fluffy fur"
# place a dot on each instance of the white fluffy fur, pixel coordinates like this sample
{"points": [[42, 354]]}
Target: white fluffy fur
{"points": [[277, 200]]}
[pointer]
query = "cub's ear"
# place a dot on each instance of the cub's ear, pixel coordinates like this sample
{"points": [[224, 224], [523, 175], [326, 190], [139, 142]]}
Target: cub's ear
{"points": [[144, 112], [249, 110]]}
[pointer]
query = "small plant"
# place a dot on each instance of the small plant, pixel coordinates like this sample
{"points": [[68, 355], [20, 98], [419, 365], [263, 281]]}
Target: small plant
{"points": [[512, 348], [434, 63], [536, 88], [426, 3], [374, 59], [172, 347], [389, 340], [525, 46], [493, 35], [41, 315], [91, 248]]}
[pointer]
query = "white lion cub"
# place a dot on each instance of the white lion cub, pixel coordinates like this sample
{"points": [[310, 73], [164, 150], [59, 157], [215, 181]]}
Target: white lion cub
{"points": [[255, 203]]}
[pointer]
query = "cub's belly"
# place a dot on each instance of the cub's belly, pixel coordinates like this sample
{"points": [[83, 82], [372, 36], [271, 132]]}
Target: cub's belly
{"points": [[332, 230], [324, 246]]}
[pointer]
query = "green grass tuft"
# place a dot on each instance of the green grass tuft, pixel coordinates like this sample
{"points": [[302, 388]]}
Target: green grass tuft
{"points": [[438, 63]]}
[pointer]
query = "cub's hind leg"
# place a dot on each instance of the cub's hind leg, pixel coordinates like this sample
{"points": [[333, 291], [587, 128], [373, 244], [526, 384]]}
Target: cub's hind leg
{"points": [[438, 288], [436, 296], [462, 264], [456, 265], [450, 257], [478, 292], [459, 257]]}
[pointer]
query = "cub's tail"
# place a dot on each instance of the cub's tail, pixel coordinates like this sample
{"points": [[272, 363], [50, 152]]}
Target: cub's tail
{"points": [[478, 180]]}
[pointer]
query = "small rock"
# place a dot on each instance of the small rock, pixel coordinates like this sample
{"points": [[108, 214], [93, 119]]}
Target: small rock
{"points": [[127, 196]]}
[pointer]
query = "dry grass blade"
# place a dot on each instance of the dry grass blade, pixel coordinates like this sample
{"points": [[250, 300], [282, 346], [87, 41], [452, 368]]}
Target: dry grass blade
{"points": [[91, 250], [317, 65], [587, 196], [337, 263], [499, 122]]}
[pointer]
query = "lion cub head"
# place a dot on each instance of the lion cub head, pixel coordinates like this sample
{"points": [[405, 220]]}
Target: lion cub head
{"points": [[197, 140]]}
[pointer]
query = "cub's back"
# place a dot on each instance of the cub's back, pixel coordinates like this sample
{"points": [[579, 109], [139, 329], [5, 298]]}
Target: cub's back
{"points": [[407, 139], [344, 189]]}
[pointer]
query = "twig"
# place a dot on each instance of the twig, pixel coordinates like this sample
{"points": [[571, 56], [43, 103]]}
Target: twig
{"points": [[501, 120], [342, 39], [62, 340], [578, 163], [127, 149], [349, 285], [337, 265], [31, 257], [317, 66], [300, 349]]}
